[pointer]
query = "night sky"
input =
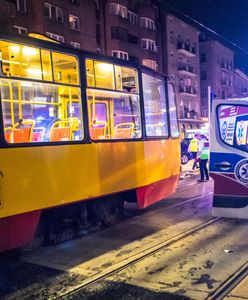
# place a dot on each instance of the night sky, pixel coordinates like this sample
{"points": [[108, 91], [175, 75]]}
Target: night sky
{"points": [[229, 18]]}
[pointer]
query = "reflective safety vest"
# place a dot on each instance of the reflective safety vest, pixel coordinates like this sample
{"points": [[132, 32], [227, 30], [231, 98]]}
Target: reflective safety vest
{"points": [[193, 146], [204, 149]]}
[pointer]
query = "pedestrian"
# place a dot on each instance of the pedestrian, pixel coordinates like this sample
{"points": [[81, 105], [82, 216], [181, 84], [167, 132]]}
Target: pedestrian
{"points": [[203, 155], [193, 148]]}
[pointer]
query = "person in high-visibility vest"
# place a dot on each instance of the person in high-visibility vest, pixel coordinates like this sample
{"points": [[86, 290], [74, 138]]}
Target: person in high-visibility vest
{"points": [[193, 148], [203, 156]]}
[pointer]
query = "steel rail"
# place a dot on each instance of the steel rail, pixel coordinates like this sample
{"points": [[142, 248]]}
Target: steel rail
{"points": [[229, 284], [126, 263]]}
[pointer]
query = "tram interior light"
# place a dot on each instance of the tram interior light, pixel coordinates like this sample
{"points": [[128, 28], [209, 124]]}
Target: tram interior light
{"points": [[29, 51], [105, 67], [34, 72], [14, 49]]}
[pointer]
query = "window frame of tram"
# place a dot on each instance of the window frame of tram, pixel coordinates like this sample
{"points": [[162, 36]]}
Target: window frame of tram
{"points": [[113, 101], [41, 95], [155, 106], [173, 116], [242, 121]]}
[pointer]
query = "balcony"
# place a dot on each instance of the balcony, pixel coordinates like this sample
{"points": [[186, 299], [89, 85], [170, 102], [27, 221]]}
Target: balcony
{"points": [[187, 90], [186, 49], [186, 70], [226, 82], [225, 66]]}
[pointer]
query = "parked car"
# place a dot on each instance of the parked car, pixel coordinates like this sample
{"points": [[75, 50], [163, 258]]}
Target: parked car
{"points": [[185, 154]]}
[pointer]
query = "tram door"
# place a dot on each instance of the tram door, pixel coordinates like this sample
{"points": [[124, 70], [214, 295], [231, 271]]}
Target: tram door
{"points": [[229, 158]]}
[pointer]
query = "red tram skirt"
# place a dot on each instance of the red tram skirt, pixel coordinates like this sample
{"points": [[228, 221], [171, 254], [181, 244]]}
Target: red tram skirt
{"points": [[18, 230], [156, 191]]}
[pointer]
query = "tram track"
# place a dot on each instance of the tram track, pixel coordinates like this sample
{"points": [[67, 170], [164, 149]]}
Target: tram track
{"points": [[131, 260], [230, 283]]}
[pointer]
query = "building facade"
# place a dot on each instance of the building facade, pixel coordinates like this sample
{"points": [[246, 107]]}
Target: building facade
{"points": [[182, 66], [140, 31], [240, 84], [217, 71]]}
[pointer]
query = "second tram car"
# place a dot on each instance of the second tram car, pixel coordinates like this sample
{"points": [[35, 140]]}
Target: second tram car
{"points": [[80, 134]]}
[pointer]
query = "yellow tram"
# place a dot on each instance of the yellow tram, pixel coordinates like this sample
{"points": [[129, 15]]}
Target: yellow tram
{"points": [[80, 134]]}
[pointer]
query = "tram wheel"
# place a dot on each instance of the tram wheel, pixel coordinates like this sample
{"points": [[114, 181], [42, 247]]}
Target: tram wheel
{"points": [[111, 210]]}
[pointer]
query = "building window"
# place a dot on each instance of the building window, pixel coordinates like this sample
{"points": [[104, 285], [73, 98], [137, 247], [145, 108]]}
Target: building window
{"points": [[203, 75], [204, 92], [132, 39], [150, 63], [20, 30], [118, 33], [97, 9], [147, 23], [171, 37], [149, 45], [120, 54], [203, 57], [75, 2], [132, 17], [118, 10], [74, 22], [75, 44], [56, 37], [21, 6], [53, 12]]}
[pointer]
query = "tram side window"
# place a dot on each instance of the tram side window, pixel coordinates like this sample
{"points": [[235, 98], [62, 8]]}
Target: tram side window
{"points": [[233, 125], [65, 68], [20, 61], [104, 75], [155, 106], [39, 112], [46, 65], [126, 79], [173, 112], [113, 115]]}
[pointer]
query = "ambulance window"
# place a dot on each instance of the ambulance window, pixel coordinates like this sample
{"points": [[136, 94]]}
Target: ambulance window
{"points": [[233, 125]]}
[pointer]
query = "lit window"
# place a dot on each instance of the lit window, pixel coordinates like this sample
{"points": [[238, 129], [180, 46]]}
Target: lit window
{"points": [[74, 22], [150, 64], [155, 106], [149, 45], [75, 44], [118, 10], [21, 6], [123, 120], [120, 54], [56, 37], [53, 12], [20, 30], [147, 23]]}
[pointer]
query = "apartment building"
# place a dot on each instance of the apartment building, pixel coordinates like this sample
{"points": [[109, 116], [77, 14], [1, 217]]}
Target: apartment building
{"points": [[133, 31], [240, 84], [182, 66], [217, 71], [73, 22]]}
